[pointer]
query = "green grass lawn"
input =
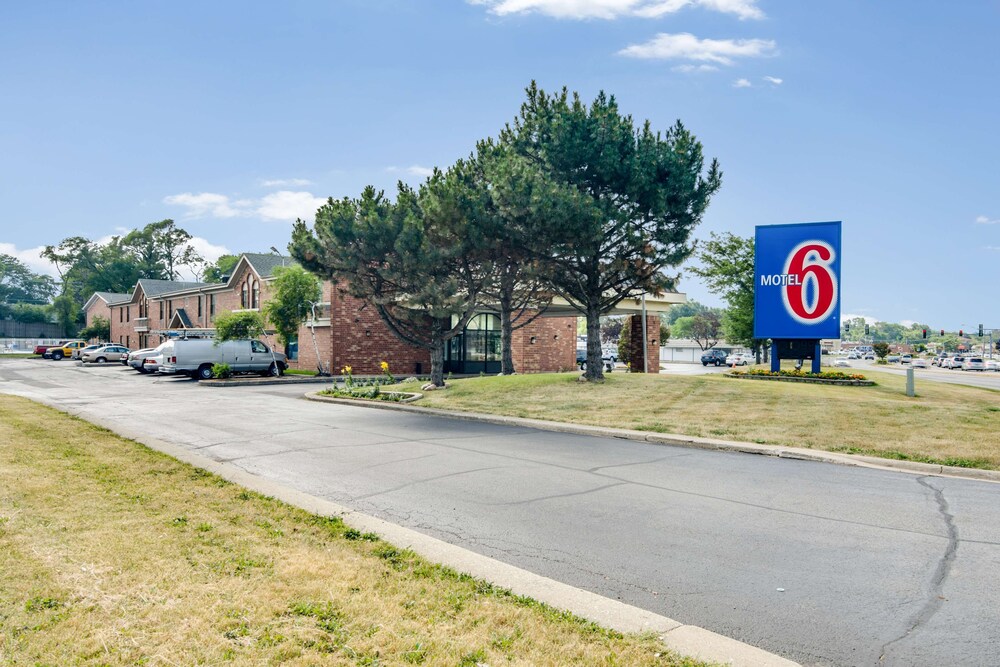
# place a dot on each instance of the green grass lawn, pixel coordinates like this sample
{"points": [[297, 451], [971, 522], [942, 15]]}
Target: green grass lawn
{"points": [[944, 423], [113, 554]]}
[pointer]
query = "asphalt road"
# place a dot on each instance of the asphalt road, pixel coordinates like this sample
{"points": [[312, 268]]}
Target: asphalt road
{"points": [[823, 564]]}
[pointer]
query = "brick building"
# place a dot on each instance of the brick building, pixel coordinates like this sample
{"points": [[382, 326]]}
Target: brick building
{"points": [[98, 305], [347, 331]]}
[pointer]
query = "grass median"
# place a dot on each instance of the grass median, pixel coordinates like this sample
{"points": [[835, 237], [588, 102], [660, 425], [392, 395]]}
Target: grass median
{"points": [[946, 424], [113, 554]]}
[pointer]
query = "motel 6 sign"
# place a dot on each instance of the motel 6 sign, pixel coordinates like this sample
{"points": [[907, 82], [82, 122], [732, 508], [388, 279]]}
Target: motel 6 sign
{"points": [[797, 281]]}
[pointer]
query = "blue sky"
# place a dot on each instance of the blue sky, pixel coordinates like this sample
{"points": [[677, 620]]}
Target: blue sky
{"points": [[233, 118]]}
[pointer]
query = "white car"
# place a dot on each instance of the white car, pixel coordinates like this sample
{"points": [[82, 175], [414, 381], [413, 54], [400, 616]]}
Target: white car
{"points": [[842, 363], [738, 360], [906, 359], [973, 364], [919, 363], [993, 365]]}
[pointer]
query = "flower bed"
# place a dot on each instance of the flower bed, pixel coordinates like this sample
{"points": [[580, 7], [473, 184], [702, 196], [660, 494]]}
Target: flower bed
{"points": [[371, 394], [825, 377]]}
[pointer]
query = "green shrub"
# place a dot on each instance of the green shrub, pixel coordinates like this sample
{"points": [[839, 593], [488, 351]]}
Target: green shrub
{"points": [[222, 371]]}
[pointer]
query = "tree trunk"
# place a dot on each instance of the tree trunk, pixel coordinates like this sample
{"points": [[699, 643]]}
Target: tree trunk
{"points": [[437, 362], [506, 337], [595, 365]]}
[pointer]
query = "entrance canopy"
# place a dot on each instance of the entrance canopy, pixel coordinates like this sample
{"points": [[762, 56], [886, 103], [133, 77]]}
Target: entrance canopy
{"points": [[629, 306]]}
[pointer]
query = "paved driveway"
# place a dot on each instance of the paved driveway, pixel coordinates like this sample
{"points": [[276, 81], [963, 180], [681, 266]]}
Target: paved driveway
{"points": [[823, 564]]}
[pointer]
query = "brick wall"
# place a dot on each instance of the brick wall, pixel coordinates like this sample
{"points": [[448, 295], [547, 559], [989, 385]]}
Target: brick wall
{"points": [[362, 341], [554, 348], [99, 308], [652, 343]]}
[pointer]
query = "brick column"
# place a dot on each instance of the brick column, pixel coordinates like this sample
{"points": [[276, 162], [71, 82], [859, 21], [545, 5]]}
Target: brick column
{"points": [[652, 341]]}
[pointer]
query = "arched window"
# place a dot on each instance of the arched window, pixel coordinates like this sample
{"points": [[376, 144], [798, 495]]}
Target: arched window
{"points": [[255, 295], [243, 296]]}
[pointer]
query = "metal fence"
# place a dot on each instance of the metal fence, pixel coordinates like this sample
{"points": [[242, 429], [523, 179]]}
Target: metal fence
{"points": [[29, 330]]}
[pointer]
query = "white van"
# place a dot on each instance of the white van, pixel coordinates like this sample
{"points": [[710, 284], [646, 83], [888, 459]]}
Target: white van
{"points": [[195, 357]]}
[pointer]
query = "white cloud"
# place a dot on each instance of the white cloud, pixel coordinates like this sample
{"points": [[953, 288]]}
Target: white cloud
{"points": [[413, 170], [685, 46], [31, 257], [983, 220], [286, 182], [867, 318], [693, 69], [288, 205], [281, 205], [204, 203], [993, 247], [612, 9], [742, 83], [775, 80]]}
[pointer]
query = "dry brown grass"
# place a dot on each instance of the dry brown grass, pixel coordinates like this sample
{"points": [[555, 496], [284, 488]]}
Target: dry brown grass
{"points": [[111, 553], [944, 423]]}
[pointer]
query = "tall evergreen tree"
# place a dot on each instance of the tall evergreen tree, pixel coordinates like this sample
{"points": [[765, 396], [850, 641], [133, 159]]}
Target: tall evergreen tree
{"points": [[415, 265], [628, 199]]}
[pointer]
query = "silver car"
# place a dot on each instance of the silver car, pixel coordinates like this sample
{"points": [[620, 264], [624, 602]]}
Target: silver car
{"points": [[79, 352], [136, 360], [104, 354]]}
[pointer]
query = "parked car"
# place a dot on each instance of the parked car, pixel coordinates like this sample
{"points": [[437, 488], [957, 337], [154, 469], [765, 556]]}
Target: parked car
{"points": [[893, 358], [920, 363], [610, 352], [104, 354], [40, 349], [973, 364], [66, 350], [993, 365], [842, 363], [870, 356], [196, 357], [906, 358], [713, 356], [581, 360], [134, 359], [78, 353], [738, 360], [151, 363]]}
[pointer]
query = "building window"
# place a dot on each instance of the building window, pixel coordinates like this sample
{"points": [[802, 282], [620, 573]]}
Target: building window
{"points": [[128, 313], [211, 305], [243, 296], [199, 306], [161, 310], [255, 295], [170, 308], [121, 314]]}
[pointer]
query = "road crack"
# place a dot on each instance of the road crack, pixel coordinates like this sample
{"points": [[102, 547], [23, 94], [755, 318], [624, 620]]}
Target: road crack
{"points": [[935, 598]]}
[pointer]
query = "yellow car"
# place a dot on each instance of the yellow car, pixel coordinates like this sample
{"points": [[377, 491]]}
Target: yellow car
{"points": [[66, 350]]}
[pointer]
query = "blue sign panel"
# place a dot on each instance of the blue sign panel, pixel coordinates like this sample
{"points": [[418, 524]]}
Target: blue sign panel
{"points": [[797, 281]]}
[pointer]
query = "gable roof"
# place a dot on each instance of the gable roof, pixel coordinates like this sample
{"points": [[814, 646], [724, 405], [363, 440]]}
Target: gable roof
{"points": [[265, 264], [109, 298], [152, 287], [180, 320]]}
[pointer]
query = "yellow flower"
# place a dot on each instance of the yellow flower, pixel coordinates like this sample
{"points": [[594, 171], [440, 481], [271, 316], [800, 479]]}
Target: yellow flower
{"points": [[385, 366], [346, 370]]}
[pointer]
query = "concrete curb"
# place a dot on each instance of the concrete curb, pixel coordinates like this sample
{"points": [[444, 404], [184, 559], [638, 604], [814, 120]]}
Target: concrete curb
{"points": [[687, 640], [799, 453], [243, 382]]}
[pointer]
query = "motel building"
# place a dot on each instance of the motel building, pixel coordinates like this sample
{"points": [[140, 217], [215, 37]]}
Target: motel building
{"points": [[348, 332]]}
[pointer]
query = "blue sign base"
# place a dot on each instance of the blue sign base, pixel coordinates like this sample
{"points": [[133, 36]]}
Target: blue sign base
{"points": [[796, 348]]}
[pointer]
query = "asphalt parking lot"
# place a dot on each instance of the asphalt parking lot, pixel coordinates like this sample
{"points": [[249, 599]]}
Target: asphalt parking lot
{"points": [[822, 564]]}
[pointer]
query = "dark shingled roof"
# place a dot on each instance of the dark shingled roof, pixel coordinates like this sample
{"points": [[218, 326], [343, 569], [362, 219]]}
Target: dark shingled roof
{"points": [[157, 287], [114, 297], [264, 264]]}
